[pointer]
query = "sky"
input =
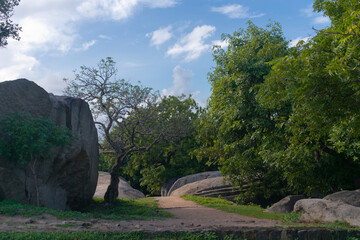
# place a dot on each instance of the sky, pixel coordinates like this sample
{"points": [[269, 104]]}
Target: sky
{"points": [[164, 44]]}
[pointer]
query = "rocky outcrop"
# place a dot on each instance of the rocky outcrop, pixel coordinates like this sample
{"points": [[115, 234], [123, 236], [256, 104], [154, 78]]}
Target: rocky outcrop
{"points": [[348, 197], [67, 180], [125, 190], [192, 178], [211, 187], [327, 211], [285, 205]]}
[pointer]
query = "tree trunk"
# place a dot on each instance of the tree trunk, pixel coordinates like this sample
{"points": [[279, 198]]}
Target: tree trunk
{"points": [[112, 191], [32, 168]]}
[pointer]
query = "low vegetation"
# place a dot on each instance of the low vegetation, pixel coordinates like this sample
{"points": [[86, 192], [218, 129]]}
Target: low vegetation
{"points": [[256, 211], [109, 236], [140, 209], [246, 210]]}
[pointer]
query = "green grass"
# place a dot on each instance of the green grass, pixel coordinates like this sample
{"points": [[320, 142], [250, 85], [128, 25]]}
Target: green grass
{"points": [[140, 209], [289, 219], [246, 210], [108, 236]]}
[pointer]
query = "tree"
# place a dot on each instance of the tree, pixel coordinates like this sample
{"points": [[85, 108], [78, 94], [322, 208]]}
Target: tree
{"points": [[236, 130], [27, 140], [129, 116], [7, 27], [171, 158], [320, 80]]}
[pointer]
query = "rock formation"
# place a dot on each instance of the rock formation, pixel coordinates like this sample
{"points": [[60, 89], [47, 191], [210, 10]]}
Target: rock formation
{"points": [[327, 211], [192, 178], [285, 205], [67, 180], [125, 190], [348, 197], [211, 187]]}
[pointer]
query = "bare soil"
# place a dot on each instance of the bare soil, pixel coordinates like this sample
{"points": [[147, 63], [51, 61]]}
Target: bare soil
{"points": [[188, 216]]}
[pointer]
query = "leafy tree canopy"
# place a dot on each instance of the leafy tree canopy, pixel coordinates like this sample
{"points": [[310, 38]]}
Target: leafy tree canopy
{"points": [[7, 27], [130, 116], [27, 140], [320, 80], [236, 129]]}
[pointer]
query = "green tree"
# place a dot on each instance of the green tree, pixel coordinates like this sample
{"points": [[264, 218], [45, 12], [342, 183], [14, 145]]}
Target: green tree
{"points": [[320, 80], [134, 111], [236, 130], [27, 140], [171, 158], [7, 27]]}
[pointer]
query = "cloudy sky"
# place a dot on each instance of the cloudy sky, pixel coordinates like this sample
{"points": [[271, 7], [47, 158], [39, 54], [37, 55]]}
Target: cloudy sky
{"points": [[164, 44]]}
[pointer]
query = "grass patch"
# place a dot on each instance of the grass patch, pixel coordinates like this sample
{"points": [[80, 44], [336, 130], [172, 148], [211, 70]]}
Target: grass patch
{"points": [[290, 219], [246, 210], [108, 236], [128, 209]]}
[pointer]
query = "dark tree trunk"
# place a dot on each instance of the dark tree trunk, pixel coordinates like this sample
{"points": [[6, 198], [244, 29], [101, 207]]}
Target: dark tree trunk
{"points": [[33, 170], [112, 191]]}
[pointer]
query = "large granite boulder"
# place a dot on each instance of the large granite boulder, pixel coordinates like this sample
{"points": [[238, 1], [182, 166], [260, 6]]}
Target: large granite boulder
{"points": [[348, 197], [211, 187], [125, 190], [192, 178], [67, 179], [285, 205], [327, 211]]}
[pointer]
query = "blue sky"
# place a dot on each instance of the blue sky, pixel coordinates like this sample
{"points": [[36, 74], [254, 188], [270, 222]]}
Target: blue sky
{"points": [[164, 44]]}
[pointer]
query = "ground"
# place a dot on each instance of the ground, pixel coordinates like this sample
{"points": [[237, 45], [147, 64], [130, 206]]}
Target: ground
{"points": [[188, 216]]}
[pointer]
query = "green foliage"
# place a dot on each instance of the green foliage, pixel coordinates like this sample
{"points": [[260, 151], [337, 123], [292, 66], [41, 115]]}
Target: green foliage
{"points": [[288, 120], [140, 209], [83, 235], [26, 138], [170, 157], [236, 130], [7, 27], [246, 210], [320, 81]]}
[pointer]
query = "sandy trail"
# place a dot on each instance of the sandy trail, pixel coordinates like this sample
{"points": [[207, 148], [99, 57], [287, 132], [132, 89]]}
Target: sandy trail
{"points": [[188, 216]]}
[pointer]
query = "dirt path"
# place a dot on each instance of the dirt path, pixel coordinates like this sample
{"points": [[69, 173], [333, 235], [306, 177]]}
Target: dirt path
{"points": [[188, 216]]}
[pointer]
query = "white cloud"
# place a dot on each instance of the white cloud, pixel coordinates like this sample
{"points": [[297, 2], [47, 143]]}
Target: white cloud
{"points": [[50, 28], [322, 20], [317, 18], [182, 79], [294, 42], [105, 37], [119, 9], [160, 36], [222, 44], [181, 82], [159, 3], [85, 46], [236, 11], [193, 44]]}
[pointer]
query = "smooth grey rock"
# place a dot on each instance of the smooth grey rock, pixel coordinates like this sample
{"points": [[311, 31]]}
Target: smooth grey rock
{"points": [[211, 187], [327, 211], [285, 205], [192, 178], [67, 179], [348, 197], [125, 190]]}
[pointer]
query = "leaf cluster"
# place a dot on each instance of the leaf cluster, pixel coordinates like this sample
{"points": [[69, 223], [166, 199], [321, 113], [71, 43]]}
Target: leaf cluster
{"points": [[7, 27], [25, 138]]}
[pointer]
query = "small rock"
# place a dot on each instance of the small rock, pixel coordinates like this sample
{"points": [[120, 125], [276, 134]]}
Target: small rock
{"points": [[86, 224], [30, 221]]}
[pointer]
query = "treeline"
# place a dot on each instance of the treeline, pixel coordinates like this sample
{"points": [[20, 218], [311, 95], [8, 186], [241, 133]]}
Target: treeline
{"points": [[286, 120], [279, 120]]}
